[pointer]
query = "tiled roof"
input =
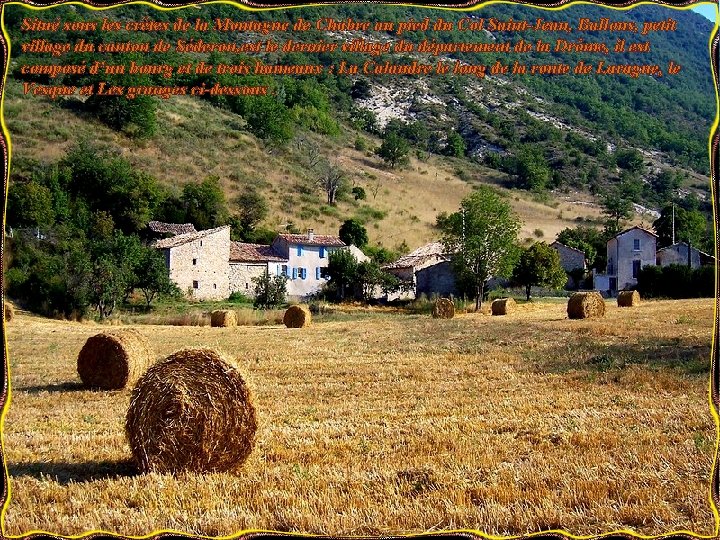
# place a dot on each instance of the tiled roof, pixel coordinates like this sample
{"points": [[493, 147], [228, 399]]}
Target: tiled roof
{"points": [[420, 256], [242, 252], [171, 228], [181, 239], [318, 240]]}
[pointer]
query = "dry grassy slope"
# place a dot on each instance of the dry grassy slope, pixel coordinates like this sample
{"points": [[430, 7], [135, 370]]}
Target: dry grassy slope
{"points": [[196, 140]]}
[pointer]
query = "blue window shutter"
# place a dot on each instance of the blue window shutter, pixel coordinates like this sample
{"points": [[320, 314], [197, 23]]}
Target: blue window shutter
{"points": [[299, 250], [295, 273], [322, 252], [303, 273], [317, 273], [278, 269]]}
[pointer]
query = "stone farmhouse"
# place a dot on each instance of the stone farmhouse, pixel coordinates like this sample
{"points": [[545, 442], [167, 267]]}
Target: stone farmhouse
{"points": [[427, 269], [207, 265], [627, 252], [634, 248], [198, 262], [682, 253], [571, 259]]}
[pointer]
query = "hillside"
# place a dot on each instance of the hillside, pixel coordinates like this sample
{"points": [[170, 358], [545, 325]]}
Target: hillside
{"points": [[576, 127]]}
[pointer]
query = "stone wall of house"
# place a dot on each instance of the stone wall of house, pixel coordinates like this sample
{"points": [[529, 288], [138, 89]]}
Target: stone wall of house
{"points": [[241, 275], [678, 254], [438, 279], [570, 259], [622, 254], [200, 268]]}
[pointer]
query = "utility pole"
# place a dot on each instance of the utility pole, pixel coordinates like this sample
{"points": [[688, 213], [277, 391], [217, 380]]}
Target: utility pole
{"points": [[673, 224]]}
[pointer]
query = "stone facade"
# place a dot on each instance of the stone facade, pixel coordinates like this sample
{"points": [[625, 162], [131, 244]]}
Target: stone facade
{"points": [[678, 254], [436, 280], [198, 262], [242, 274], [570, 258]]}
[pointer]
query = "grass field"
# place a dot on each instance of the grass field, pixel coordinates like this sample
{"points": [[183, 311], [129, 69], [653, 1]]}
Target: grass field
{"points": [[393, 423]]}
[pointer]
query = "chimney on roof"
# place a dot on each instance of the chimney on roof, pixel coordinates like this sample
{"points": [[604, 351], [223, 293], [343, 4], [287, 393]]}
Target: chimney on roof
{"points": [[310, 235]]}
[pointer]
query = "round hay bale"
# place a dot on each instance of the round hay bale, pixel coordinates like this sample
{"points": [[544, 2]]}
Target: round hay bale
{"points": [[191, 412], [443, 309], [583, 305], [9, 310], [628, 298], [297, 317], [223, 318], [502, 306], [114, 360]]}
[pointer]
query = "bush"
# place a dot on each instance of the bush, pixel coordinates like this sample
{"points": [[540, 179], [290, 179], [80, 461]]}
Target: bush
{"points": [[269, 291], [676, 281]]}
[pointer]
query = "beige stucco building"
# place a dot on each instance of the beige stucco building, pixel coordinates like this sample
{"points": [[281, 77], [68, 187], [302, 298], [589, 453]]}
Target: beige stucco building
{"points": [[627, 252]]}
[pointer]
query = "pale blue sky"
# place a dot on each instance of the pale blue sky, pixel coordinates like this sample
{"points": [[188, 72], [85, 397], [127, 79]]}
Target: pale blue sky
{"points": [[707, 10]]}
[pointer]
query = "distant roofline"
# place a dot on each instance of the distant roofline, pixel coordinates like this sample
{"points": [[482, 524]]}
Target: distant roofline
{"points": [[638, 227], [568, 247]]}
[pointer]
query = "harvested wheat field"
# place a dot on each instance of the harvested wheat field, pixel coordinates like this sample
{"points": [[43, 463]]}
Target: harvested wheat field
{"points": [[389, 422]]}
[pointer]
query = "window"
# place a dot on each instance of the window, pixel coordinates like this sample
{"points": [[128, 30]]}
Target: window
{"points": [[324, 273], [214, 285], [200, 243], [194, 262], [299, 251], [636, 244], [610, 266], [196, 285], [285, 270], [636, 269], [322, 252], [247, 285], [295, 273], [303, 273]]}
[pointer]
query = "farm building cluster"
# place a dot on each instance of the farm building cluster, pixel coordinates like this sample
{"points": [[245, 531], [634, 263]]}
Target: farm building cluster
{"points": [[208, 265]]}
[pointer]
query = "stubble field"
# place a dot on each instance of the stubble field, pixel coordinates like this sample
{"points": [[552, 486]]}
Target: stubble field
{"points": [[385, 422]]}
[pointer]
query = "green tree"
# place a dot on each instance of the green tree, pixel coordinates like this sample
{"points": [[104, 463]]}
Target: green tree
{"points": [[154, 278], [690, 226], [342, 271], [353, 232], [539, 265], [30, 205], [253, 208], [482, 237], [204, 204], [590, 241], [393, 150], [270, 291], [455, 145], [630, 159], [531, 168], [617, 208]]}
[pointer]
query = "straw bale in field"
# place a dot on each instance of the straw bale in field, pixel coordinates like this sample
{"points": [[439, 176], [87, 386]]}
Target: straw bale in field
{"points": [[628, 298], [583, 305], [443, 309], [502, 306], [222, 318], [114, 360], [297, 317], [191, 412], [9, 311]]}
